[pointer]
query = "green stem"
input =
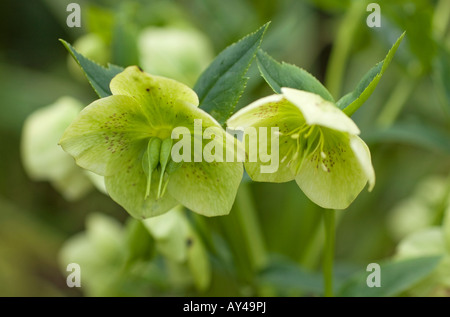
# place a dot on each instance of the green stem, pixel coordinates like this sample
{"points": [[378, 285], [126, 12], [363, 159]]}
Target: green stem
{"points": [[329, 221], [251, 229], [341, 47], [442, 204], [441, 18], [396, 101]]}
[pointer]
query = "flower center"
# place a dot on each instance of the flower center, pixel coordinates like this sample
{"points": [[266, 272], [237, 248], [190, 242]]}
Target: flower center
{"points": [[162, 132], [157, 157], [309, 139]]}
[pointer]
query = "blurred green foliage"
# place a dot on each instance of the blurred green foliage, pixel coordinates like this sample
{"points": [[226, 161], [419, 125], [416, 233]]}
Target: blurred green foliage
{"points": [[275, 249]]}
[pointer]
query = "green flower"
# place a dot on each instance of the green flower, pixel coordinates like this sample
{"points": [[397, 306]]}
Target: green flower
{"points": [[44, 160], [181, 54], [318, 146], [127, 137], [100, 251], [431, 241]]}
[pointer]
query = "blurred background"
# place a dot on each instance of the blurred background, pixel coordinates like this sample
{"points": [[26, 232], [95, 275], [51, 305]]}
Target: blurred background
{"points": [[53, 213]]}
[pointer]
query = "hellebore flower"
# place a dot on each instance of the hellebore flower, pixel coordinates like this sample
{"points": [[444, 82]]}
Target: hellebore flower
{"points": [[44, 160], [127, 137], [101, 253], [318, 146], [181, 54]]}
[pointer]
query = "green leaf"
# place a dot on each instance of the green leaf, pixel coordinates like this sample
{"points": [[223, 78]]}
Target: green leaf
{"points": [[223, 82], [395, 277], [287, 277], [279, 75], [98, 76], [352, 101]]}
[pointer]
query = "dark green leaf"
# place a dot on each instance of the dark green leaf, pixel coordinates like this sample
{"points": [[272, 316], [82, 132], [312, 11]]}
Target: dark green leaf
{"points": [[395, 277], [223, 82], [352, 101], [98, 76], [286, 75]]}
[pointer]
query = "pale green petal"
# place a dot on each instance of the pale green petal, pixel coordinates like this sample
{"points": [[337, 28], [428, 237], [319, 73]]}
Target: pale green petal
{"points": [[319, 111], [256, 112], [105, 233], [102, 135], [362, 153], [128, 187], [206, 188], [181, 54], [270, 112], [100, 253], [427, 242], [183, 114], [282, 165], [409, 216], [167, 104], [334, 181], [43, 159], [158, 96], [97, 180], [73, 184]]}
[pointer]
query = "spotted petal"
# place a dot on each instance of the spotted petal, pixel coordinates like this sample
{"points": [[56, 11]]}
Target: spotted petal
{"points": [[128, 187], [332, 177], [207, 188], [101, 137], [157, 95]]}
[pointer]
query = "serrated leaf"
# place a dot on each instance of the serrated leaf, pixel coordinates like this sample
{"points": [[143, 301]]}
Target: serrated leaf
{"points": [[352, 101], [221, 85], [279, 75], [396, 277], [98, 76]]}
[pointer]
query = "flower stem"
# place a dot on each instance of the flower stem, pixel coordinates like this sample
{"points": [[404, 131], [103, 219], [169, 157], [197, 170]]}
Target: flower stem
{"points": [[441, 18], [341, 47], [396, 101], [328, 254], [250, 227]]}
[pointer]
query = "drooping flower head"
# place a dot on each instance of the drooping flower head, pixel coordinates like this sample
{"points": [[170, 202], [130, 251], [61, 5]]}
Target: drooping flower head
{"points": [[127, 137], [319, 146]]}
